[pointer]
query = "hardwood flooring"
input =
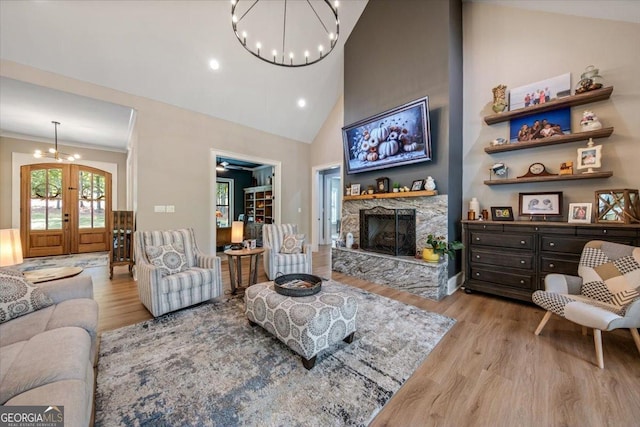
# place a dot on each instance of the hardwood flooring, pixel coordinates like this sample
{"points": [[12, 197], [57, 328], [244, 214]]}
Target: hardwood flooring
{"points": [[489, 370]]}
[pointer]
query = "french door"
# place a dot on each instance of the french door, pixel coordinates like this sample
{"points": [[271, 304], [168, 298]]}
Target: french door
{"points": [[64, 209]]}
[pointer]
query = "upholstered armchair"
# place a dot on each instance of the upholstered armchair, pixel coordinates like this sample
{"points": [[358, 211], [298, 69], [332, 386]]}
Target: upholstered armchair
{"points": [[285, 251], [171, 271], [605, 296]]}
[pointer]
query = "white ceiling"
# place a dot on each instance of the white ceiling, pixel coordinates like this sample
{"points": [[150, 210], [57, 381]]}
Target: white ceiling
{"points": [[161, 50]]}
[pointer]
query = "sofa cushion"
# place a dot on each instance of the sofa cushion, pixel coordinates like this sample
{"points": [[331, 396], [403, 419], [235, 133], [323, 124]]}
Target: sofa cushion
{"points": [[19, 297], [170, 258], [81, 312], [56, 355], [292, 244], [192, 278]]}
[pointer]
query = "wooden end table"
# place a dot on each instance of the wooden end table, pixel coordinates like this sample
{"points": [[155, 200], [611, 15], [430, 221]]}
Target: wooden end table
{"points": [[235, 266], [48, 274]]}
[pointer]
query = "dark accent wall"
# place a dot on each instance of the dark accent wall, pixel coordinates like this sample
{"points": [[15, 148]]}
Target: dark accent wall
{"points": [[400, 51], [241, 180]]}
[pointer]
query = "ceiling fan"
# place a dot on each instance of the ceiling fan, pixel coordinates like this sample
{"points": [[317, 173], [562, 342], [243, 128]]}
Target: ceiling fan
{"points": [[224, 166]]}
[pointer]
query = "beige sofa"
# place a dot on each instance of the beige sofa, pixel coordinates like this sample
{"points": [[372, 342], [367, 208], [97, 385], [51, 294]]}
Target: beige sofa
{"points": [[47, 356]]}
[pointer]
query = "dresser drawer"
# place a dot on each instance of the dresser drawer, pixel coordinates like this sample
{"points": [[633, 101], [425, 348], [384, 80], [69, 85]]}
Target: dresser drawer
{"points": [[513, 259], [568, 265], [502, 240], [569, 245], [507, 278], [604, 233]]}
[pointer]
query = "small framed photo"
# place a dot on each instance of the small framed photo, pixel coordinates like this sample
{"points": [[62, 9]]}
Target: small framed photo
{"points": [[417, 185], [355, 189], [590, 157], [580, 212], [502, 213], [540, 204]]}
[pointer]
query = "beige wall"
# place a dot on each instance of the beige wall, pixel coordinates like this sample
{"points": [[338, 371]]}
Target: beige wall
{"points": [[326, 148], [515, 47], [8, 146], [172, 159]]}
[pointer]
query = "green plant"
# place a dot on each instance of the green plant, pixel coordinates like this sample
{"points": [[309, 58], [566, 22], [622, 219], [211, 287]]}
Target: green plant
{"points": [[396, 185], [441, 246]]}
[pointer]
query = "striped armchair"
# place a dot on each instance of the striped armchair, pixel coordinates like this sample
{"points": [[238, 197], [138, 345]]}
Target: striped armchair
{"points": [[276, 262], [171, 271]]}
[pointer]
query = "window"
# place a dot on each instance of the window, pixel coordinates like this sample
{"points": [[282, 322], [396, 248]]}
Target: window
{"points": [[224, 202]]}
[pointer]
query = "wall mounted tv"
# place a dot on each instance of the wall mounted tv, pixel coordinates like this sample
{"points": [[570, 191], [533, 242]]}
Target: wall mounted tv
{"points": [[397, 137]]}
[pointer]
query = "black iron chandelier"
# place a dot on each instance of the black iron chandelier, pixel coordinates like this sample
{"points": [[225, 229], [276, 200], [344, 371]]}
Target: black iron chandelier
{"points": [[256, 25]]}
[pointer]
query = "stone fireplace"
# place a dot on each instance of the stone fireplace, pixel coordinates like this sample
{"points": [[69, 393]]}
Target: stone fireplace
{"points": [[402, 271], [388, 231]]}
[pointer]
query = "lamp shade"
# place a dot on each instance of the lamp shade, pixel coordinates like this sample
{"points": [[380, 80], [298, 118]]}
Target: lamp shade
{"points": [[10, 247], [237, 231]]}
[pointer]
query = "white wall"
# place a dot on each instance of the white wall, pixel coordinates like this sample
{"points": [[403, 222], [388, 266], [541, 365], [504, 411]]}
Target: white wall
{"points": [[171, 163], [515, 47]]}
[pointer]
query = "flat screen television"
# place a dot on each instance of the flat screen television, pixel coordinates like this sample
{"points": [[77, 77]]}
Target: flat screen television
{"points": [[396, 137]]}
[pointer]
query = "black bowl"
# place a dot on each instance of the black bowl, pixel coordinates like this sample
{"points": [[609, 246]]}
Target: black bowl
{"points": [[297, 284]]}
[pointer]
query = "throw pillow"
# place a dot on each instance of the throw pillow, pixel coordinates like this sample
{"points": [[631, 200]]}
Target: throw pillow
{"points": [[170, 258], [19, 297], [292, 244]]}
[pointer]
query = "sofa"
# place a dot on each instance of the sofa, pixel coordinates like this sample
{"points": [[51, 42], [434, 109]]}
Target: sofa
{"points": [[47, 356]]}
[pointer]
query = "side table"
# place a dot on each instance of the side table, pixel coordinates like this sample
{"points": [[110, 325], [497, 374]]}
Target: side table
{"points": [[235, 266], [48, 274]]}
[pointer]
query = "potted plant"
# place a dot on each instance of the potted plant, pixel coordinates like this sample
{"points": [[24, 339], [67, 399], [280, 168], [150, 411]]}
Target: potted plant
{"points": [[438, 246], [396, 187]]}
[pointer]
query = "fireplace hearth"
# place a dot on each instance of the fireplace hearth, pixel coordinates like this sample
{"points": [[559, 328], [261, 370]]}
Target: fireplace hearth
{"points": [[388, 231]]}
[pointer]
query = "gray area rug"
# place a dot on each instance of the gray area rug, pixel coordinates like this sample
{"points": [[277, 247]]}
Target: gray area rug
{"points": [[88, 260], [206, 366]]}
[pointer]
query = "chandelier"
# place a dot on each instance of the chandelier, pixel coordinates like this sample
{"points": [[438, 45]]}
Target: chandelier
{"points": [[53, 153], [256, 25]]}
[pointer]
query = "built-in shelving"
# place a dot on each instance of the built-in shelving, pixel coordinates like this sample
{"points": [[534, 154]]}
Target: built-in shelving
{"points": [[559, 139], [399, 195], [593, 175], [568, 101]]}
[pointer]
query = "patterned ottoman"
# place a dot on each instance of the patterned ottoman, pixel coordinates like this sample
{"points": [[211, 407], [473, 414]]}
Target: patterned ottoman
{"points": [[307, 325]]}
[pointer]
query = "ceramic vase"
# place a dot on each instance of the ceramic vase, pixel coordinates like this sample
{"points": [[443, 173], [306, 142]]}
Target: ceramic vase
{"points": [[429, 255]]}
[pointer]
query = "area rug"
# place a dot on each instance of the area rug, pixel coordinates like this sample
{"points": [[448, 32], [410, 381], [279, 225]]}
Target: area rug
{"points": [[206, 366], [88, 260]]}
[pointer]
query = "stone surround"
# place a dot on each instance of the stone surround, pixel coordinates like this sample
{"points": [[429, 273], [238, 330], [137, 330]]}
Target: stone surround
{"points": [[401, 272], [408, 274]]}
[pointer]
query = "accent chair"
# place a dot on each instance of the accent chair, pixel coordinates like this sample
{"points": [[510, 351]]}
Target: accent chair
{"points": [[285, 251], [171, 271], [605, 296]]}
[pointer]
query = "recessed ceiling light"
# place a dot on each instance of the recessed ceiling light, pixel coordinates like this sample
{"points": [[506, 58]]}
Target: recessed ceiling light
{"points": [[302, 103], [214, 64]]}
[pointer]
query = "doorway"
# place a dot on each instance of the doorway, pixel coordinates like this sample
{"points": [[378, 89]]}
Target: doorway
{"points": [[64, 209], [327, 205]]}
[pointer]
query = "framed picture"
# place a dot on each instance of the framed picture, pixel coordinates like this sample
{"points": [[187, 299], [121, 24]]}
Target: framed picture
{"points": [[417, 185], [580, 212], [396, 137], [540, 204], [590, 157], [540, 92], [355, 189], [540, 126], [502, 213], [618, 206]]}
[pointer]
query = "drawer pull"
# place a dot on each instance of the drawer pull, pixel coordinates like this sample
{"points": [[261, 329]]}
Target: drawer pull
{"points": [[522, 261], [522, 242], [551, 265], [522, 282], [477, 274], [477, 256], [477, 239], [604, 231], [552, 244]]}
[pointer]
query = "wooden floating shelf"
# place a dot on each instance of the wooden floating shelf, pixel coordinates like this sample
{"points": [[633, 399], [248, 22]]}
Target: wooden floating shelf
{"points": [[560, 139], [567, 101], [593, 175], [422, 193]]}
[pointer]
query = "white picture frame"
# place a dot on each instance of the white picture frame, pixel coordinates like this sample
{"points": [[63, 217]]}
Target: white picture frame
{"points": [[580, 213], [589, 157], [355, 189]]}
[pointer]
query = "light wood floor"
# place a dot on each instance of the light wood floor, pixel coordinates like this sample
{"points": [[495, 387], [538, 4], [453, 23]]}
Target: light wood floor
{"points": [[489, 370]]}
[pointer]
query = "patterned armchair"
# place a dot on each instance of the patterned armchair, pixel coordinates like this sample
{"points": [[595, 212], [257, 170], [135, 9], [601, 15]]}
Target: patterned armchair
{"points": [[171, 271], [279, 239], [606, 296]]}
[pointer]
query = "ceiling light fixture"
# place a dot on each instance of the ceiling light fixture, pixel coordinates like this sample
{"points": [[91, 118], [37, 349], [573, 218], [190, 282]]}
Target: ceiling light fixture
{"points": [[222, 166], [302, 103], [214, 64], [302, 26], [53, 153]]}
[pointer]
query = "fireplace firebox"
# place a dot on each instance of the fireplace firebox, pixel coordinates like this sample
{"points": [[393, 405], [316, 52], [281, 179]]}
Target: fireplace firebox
{"points": [[388, 231]]}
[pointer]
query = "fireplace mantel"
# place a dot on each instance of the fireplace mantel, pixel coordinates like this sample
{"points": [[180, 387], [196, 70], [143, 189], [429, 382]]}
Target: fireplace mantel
{"points": [[398, 195]]}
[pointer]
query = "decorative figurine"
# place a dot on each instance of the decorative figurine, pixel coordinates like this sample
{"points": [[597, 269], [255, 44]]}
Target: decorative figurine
{"points": [[429, 184], [589, 121], [499, 98], [566, 168], [589, 80]]}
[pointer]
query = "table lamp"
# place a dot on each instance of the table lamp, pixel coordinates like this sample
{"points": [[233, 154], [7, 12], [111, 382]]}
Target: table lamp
{"points": [[237, 234], [10, 247]]}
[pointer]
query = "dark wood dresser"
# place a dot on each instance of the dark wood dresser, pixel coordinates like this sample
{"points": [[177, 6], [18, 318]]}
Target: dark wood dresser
{"points": [[511, 259]]}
